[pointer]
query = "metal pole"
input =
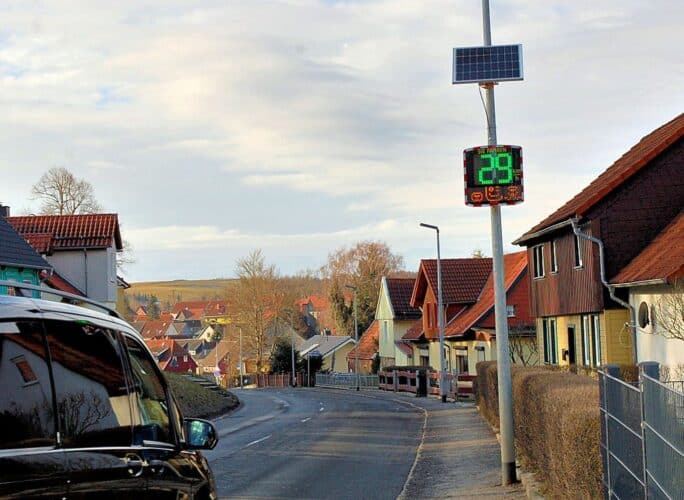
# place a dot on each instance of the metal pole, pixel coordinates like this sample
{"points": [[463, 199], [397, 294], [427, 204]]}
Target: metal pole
{"points": [[292, 346], [240, 329], [356, 339], [308, 370], [440, 319], [502, 348]]}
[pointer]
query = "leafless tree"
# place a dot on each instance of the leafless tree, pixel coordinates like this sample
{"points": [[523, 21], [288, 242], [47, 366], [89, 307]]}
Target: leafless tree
{"points": [[522, 344], [478, 253], [61, 193], [256, 303], [669, 312], [363, 267]]}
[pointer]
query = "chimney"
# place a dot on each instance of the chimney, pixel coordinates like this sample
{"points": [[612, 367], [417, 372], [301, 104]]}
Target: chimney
{"points": [[4, 211]]}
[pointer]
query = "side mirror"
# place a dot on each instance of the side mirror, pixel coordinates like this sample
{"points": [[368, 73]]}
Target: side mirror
{"points": [[201, 434]]}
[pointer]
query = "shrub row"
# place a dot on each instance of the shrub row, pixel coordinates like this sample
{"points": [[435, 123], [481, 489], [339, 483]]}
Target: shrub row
{"points": [[557, 425]]}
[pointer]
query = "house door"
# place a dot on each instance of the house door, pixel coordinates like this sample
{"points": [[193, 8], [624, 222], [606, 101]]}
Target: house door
{"points": [[571, 356]]}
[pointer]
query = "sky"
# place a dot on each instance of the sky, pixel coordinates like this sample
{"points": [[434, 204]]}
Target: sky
{"points": [[299, 127]]}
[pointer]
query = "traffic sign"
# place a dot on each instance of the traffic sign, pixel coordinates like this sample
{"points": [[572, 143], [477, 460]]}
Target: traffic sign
{"points": [[493, 175]]}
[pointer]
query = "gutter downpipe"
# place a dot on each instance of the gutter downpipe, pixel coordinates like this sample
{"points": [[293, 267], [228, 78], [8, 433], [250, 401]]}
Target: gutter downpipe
{"points": [[611, 288]]}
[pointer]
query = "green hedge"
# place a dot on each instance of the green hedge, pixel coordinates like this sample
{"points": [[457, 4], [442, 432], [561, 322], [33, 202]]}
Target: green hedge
{"points": [[197, 401], [557, 425]]}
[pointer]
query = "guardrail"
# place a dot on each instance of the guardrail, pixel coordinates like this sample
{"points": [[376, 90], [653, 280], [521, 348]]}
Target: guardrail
{"points": [[346, 380]]}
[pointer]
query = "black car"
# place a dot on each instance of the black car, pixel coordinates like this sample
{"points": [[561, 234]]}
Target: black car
{"points": [[85, 410]]}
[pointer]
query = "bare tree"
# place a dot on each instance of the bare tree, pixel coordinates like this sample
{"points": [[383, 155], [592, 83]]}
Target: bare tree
{"points": [[61, 193], [478, 253], [256, 303], [363, 267], [669, 312], [523, 346]]}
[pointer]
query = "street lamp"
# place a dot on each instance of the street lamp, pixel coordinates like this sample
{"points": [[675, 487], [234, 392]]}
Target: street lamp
{"points": [[292, 349], [356, 338], [240, 329], [440, 318]]}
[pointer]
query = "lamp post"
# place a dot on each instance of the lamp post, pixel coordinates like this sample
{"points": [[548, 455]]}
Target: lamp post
{"points": [[240, 330], [356, 338], [440, 318], [292, 346]]}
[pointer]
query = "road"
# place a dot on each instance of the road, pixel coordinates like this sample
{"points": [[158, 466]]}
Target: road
{"points": [[315, 443]]}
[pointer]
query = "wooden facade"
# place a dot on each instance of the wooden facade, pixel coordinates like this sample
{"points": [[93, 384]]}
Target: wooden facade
{"points": [[571, 289]]}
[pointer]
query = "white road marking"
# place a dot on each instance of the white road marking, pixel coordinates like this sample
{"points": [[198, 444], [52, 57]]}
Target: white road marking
{"points": [[321, 409], [257, 441], [306, 419]]}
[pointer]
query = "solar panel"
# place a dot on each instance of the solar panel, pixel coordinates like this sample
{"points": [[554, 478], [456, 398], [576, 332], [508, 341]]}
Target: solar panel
{"points": [[493, 63]]}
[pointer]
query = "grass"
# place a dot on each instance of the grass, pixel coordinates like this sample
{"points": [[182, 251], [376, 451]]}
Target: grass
{"points": [[198, 402], [181, 290]]}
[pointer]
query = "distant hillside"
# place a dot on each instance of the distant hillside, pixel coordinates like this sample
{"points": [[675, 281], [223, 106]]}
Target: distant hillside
{"points": [[180, 290]]}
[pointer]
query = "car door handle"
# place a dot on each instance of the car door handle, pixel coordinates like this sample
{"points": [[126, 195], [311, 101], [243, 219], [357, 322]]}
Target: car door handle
{"points": [[134, 465]]}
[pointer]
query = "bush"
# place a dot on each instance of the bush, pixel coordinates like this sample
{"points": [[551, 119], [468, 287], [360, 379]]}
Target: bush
{"points": [[197, 401], [557, 425]]}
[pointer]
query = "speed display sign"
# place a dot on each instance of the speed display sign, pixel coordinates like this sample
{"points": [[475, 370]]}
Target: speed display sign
{"points": [[493, 175]]}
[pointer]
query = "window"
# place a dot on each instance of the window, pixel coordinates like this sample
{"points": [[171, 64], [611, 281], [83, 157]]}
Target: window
{"points": [[550, 341], [385, 331], [461, 359], [92, 394], [591, 340], [151, 417], [480, 353], [510, 311], [578, 252], [26, 402], [643, 316], [538, 261], [554, 259]]}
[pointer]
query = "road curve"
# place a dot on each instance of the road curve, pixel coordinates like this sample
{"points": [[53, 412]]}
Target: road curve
{"points": [[310, 443]]}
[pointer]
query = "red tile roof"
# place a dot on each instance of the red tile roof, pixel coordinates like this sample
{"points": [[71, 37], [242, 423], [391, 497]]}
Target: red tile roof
{"points": [[155, 329], [368, 343], [58, 283], [70, 231], [415, 332], [629, 164], [662, 259], [404, 347], [198, 309], [462, 279], [166, 349], [42, 242], [400, 291], [515, 265]]}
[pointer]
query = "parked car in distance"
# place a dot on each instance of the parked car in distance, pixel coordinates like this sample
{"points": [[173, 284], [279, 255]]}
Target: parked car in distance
{"points": [[85, 410]]}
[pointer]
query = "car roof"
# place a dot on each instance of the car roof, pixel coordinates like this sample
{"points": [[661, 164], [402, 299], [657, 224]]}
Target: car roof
{"points": [[15, 308]]}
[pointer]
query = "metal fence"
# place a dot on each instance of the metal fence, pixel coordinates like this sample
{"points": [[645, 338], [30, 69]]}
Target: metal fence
{"points": [[642, 435], [346, 380]]}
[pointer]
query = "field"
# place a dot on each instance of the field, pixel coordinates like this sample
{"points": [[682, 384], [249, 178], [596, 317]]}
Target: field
{"points": [[180, 290]]}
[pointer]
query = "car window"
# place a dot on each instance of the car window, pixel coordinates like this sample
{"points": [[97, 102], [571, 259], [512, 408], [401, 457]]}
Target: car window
{"points": [[150, 412], [26, 403], [92, 396]]}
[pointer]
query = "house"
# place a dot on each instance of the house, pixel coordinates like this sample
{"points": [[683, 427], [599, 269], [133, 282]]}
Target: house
{"points": [[224, 354], [171, 356], [315, 311], [578, 253], [332, 348], [81, 248], [470, 336], [368, 350], [18, 260], [462, 282], [158, 329], [141, 314], [655, 282], [395, 315]]}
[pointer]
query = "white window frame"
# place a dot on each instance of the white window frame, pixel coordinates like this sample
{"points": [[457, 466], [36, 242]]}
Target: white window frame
{"points": [[538, 261], [550, 340], [510, 310], [578, 253], [554, 258], [591, 340]]}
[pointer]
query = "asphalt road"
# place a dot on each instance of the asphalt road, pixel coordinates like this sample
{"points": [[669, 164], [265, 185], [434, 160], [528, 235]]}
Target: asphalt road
{"points": [[314, 443]]}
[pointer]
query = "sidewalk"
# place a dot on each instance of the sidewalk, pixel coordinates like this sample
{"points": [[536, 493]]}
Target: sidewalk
{"points": [[459, 456]]}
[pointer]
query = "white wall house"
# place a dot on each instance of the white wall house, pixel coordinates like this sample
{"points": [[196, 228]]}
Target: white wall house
{"points": [[395, 316], [81, 248]]}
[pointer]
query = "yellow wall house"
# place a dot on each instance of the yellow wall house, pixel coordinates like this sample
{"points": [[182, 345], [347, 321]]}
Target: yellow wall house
{"points": [[395, 316], [332, 348]]}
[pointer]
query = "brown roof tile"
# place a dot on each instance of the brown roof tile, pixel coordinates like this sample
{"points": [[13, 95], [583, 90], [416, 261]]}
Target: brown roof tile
{"points": [[368, 343], [415, 332], [400, 291], [625, 167], [515, 264], [70, 231], [462, 279], [662, 259]]}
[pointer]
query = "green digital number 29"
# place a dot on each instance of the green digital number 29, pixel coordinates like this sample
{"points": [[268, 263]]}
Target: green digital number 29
{"points": [[499, 171]]}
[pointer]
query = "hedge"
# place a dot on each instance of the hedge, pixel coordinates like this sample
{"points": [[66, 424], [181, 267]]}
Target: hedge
{"points": [[557, 425], [197, 401]]}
